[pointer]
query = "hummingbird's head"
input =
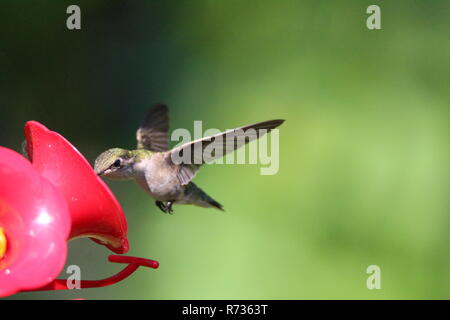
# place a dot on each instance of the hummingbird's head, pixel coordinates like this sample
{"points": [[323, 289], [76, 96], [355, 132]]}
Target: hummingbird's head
{"points": [[115, 164]]}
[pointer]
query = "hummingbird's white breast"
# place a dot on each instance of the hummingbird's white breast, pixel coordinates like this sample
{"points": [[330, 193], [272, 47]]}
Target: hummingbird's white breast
{"points": [[157, 177]]}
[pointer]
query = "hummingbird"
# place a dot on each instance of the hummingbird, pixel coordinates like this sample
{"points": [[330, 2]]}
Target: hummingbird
{"points": [[152, 163]]}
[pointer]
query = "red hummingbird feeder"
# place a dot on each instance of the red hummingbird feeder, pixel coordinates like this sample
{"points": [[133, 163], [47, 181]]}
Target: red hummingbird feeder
{"points": [[46, 201]]}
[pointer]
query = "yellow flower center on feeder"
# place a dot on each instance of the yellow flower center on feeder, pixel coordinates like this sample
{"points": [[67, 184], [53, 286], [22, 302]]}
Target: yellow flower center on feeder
{"points": [[2, 243]]}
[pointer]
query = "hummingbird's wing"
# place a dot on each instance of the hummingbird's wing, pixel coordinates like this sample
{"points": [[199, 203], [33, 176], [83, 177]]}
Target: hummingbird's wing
{"points": [[190, 156], [152, 134]]}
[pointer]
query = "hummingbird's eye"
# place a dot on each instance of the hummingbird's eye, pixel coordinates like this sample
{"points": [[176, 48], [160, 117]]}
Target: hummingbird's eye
{"points": [[117, 163]]}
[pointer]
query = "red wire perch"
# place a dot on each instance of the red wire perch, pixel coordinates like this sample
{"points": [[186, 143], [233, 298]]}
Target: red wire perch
{"points": [[133, 264]]}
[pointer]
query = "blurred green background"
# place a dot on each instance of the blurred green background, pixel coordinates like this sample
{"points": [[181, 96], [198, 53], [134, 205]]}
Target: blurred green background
{"points": [[364, 154]]}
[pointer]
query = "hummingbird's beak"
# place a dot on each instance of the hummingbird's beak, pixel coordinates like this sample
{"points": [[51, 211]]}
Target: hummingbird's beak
{"points": [[103, 172]]}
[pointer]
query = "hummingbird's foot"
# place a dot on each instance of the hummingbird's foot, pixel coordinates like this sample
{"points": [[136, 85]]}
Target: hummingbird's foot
{"points": [[166, 208], [169, 206], [161, 206]]}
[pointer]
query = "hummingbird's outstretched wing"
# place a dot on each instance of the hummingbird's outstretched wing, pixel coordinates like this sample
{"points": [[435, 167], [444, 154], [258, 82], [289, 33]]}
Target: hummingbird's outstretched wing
{"points": [[152, 134], [190, 156]]}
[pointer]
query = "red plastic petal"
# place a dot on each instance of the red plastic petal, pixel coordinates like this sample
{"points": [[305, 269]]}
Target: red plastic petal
{"points": [[94, 210], [36, 221]]}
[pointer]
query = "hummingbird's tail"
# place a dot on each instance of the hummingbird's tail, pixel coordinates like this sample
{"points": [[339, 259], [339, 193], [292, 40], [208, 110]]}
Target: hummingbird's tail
{"points": [[214, 203], [196, 196]]}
